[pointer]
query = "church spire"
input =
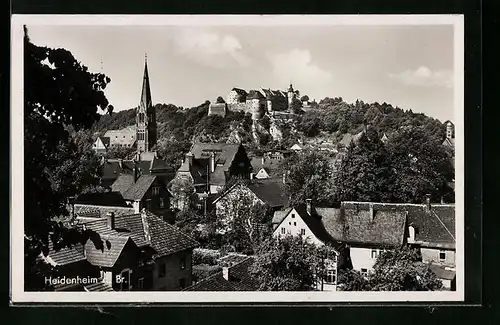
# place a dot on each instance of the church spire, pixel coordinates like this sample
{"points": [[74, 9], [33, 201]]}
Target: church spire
{"points": [[146, 91]]}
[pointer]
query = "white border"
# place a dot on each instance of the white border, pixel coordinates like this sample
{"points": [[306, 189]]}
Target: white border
{"points": [[17, 199]]}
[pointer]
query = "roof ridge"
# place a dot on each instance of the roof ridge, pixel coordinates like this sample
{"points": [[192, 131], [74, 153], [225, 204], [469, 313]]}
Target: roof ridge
{"points": [[442, 223]]}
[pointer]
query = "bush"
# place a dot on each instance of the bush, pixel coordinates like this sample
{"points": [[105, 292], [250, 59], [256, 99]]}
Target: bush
{"points": [[202, 271], [205, 256]]}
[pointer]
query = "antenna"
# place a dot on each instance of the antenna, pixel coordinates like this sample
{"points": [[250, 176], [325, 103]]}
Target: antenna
{"points": [[101, 64], [145, 57]]}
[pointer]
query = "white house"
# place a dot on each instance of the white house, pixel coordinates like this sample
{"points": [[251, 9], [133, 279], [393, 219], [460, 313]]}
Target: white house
{"points": [[304, 221], [101, 145]]}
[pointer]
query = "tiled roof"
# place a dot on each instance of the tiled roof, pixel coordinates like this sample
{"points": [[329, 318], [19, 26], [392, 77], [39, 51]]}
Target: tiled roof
{"points": [[224, 152], [66, 255], [270, 165], [270, 191], [255, 94], [280, 215], [240, 279], [107, 255], [99, 286], [240, 92], [167, 239], [98, 211], [147, 229], [122, 183], [214, 282], [354, 225], [449, 142], [138, 190]]}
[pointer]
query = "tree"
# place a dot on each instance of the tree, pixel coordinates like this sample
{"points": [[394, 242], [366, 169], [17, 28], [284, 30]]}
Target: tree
{"points": [[421, 164], [296, 106], [304, 98], [394, 270], [183, 193], [288, 264], [308, 175], [220, 100], [121, 152], [59, 92], [365, 173], [244, 219]]}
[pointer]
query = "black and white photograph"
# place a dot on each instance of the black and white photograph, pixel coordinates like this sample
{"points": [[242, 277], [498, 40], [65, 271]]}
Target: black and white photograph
{"points": [[227, 158]]}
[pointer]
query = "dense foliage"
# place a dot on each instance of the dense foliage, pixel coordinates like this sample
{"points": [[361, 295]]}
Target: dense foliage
{"points": [[394, 270], [289, 264], [309, 175], [59, 94]]}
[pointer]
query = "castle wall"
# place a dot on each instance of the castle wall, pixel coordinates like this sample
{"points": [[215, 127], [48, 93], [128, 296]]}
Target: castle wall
{"points": [[247, 108]]}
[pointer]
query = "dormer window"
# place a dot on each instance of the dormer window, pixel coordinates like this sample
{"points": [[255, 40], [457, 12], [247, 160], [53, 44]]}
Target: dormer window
{"points": [[156, 190]]}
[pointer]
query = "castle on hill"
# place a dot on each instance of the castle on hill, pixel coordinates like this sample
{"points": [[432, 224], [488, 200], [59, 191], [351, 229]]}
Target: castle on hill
{"points": [[257, 102]]}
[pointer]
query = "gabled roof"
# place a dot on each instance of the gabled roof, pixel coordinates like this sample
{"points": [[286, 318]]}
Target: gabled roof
{"points": [[122, 183], [106, 256], [240, 92], [165, 238], [269, 164], [270, 191], [97, 211], [137, 191], [355, 226], [255, 94], [449, 142], [224, 152], [65, 255], [105, 141], [147, 229]]}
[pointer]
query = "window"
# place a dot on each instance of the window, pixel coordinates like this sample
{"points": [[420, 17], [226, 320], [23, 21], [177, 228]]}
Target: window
{"points": [[293, 215], [364, 271], [374, 253], [303, 232], [140, 283], [295, 224], [330, 276], [442, 255], [282, 230], [162, 270], [162, 203], [156, 190], [183, 263], [141, 118], [290, 223], [182, 283]]}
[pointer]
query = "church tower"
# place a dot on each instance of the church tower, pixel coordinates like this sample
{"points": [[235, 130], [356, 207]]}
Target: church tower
{"points": [[291, 95], [146, 116]]}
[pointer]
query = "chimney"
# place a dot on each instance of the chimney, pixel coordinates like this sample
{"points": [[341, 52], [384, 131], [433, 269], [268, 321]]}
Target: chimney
{"points": [[284, 178], [225, 272], [111, 220], [371, 212], [145, 225], [251, 175], [263, 160], [411, 234], [309, 206], [120, 162], [428, 202], [189, 158], [211, 162]]}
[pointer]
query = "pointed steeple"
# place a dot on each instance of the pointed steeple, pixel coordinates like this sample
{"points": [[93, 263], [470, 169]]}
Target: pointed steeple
{"points": [[146, 91]]}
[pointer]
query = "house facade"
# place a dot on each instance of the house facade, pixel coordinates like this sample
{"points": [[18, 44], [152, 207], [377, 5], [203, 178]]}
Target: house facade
{"points": [[210, 166], [101, 145], [132, 252], [245, 193]]}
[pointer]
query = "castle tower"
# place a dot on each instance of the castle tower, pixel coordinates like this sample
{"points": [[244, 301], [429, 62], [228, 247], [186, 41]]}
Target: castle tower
{"points": [[291, 95], [450, 130], [269, 104], [146, 116]]}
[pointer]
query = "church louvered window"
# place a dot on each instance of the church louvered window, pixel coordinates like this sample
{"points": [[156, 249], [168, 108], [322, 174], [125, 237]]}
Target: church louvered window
{"points": [[141, 117]]}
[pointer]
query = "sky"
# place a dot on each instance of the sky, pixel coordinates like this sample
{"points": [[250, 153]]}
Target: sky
{"points": [[407, 66]]}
